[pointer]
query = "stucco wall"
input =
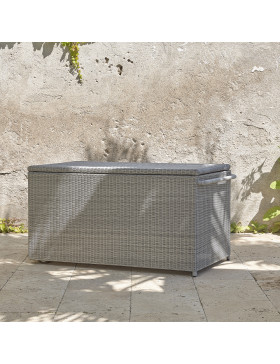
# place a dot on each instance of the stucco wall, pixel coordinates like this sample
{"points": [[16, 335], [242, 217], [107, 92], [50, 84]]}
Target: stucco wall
{"points": [[157, 102]]}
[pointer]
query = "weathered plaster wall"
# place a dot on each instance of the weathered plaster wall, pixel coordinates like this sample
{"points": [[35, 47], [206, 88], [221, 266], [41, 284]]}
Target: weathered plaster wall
{"points": [[157, 102]]}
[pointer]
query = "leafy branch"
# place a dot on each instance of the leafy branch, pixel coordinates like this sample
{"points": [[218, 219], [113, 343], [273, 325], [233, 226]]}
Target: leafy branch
{"points": [[11, 226], [254, 227], [74, 54], [273, 211]]}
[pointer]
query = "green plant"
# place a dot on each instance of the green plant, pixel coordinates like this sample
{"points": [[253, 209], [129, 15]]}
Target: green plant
{"points": [[275, 227], [256, 228], [273, 211], [11, 226], [74, 54], [237, 228]]}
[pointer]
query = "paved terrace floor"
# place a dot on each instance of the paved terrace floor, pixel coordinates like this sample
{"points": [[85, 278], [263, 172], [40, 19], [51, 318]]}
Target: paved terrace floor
{"points": [[247, 288]]}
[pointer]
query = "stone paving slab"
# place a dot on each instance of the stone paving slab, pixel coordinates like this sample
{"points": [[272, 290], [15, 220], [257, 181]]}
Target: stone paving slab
{"points": [[13, 300], [225, 290], [149, 303], [227, 270], [27, 316], [256, 252], [246, 288], [98, 316], [100, 279], [6, 272], [90, 301], [24, 281], [164, 296], [264, 264], [273, 294], [235, 310], [162, 281], [187, 316]]}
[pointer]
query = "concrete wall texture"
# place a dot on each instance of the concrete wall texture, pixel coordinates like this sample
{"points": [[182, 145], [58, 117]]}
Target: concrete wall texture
{"points": [[156, 102]]}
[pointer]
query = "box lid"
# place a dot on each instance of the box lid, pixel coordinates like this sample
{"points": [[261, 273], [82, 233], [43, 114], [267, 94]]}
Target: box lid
{"points": [[130, 168]]}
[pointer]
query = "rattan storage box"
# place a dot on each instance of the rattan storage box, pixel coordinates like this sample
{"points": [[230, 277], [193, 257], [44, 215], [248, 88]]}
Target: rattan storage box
{"points": [[150, 215]]}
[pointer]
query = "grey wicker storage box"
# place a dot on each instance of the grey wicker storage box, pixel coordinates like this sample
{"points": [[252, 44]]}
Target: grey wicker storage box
{"points": [[150, 215]]}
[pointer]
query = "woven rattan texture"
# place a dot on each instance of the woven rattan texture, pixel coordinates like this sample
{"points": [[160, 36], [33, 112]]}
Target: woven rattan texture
{"points": [[212, 222], [149, 221], [129, 220]]}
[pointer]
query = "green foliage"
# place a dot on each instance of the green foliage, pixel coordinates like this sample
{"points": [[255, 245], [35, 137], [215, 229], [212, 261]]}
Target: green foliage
{"points": [[11, 226], [237, 228], [271, 213], [256, 228], [275, 227], [74, 54], [275, 185]]}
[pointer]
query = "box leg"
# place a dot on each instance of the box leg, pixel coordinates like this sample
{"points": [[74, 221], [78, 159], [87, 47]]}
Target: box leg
{"points": [[194, 273]]}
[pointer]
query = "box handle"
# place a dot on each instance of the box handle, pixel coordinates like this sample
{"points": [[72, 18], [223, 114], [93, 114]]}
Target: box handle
{"points": [[215, 180]]}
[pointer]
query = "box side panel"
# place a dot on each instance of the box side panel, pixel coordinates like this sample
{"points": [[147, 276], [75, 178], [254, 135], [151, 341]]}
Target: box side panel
{"points": [[212, 221], [129, 220]]}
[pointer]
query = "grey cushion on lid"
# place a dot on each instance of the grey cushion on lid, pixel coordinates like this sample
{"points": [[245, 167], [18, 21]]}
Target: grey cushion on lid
{"points": [[130, 168]]}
